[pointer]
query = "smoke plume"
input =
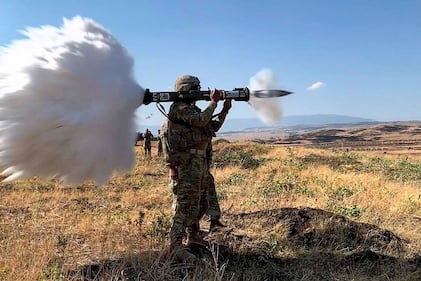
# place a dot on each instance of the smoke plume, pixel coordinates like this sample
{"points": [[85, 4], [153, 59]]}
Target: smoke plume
{"points": [[269, 111], [67, 103]]}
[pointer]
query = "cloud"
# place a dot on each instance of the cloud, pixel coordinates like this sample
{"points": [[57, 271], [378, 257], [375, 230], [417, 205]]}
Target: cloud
{"points": [[316, 86]]}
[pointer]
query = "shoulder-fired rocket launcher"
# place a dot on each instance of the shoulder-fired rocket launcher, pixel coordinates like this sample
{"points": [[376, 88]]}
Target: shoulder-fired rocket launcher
{"points": [[238, 94]]}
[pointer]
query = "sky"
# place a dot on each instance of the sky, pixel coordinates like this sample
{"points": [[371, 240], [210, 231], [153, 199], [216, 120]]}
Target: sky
{"points": [[357, 58]]}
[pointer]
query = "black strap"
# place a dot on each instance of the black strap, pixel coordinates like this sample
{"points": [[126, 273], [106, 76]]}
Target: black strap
{"points": [[161, 108]]}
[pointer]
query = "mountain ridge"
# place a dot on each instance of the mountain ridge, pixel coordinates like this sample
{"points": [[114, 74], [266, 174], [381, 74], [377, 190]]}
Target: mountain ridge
{"points": [[293, 120], [246, 124]]}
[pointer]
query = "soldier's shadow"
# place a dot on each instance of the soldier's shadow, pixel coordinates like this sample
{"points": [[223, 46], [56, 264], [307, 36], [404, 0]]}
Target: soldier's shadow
{"points": [[232, 255]]}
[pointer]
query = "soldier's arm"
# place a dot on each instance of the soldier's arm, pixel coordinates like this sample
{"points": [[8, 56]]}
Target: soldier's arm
{"points": [[191, 116], [219, 120]]}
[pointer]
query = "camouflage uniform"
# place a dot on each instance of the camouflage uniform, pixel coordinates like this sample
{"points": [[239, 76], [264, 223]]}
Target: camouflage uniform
{"points": [[191, 167], [159, 143], [147, 145]]}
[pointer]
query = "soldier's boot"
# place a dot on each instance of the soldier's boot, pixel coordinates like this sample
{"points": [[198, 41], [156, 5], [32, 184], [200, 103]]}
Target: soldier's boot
{"points": [[215, 224], [194, 238], [181, 253]]}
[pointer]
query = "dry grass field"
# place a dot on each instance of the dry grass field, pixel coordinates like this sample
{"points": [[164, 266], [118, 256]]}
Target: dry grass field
{"points": [[333, 204]]}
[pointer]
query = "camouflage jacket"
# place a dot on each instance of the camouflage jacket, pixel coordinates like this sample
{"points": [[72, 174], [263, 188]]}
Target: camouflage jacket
{"points": [[188, 128]]}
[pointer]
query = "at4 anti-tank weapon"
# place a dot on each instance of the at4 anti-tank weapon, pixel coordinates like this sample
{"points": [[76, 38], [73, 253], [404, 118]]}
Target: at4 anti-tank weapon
{"points": [[238, 94]]}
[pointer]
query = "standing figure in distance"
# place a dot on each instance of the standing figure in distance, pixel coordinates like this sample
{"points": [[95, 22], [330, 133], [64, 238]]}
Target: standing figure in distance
{"points": [[147, 143], [159, 143]]}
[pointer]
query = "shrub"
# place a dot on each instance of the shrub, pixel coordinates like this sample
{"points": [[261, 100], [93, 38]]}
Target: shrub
{"points": [[237, 157]]}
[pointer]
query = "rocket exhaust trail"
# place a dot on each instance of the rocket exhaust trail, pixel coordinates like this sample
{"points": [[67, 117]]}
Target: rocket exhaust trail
{"points": [[266, 102]]}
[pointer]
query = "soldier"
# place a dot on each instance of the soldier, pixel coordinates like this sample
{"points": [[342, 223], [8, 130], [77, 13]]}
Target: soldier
{"points": [[159, 143], [147, 143], [189, 131], [213, 210]]}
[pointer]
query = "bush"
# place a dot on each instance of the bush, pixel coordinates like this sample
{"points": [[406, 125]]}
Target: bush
{"points": [[237, 157]]}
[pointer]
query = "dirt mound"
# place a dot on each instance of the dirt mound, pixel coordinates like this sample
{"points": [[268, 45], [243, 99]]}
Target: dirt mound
{"points": [[281, 244], [307, 228]]}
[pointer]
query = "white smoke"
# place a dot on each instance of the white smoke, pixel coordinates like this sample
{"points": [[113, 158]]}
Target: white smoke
{"points": [[269, 110], [67, 103]]}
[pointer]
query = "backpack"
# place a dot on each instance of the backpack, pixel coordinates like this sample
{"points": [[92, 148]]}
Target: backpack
{"points": [[172, 144]]}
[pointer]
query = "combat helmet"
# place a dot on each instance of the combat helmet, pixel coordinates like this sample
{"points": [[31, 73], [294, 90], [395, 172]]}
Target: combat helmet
{"points": [[187, 83]]}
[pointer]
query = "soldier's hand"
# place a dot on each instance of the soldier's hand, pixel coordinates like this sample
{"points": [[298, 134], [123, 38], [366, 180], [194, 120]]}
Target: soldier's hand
{"points": [[173, 173], [227, 104], [214, 95]]}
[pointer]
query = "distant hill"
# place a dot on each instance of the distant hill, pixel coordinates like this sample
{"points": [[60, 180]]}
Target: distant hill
{"points": [[234, 125], [238, 125]]}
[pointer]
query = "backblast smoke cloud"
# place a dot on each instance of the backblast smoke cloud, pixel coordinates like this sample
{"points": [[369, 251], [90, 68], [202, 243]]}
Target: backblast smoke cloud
{"points": [[67, 103]]}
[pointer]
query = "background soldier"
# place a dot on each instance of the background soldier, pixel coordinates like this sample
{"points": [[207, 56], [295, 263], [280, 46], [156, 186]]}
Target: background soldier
{"points": [[159, 143], [147, 143]]}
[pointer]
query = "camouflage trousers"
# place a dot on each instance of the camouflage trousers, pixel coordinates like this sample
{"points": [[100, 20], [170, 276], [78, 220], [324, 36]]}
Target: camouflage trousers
{"points": [[147, 147], [189, 203], [213, 211]]}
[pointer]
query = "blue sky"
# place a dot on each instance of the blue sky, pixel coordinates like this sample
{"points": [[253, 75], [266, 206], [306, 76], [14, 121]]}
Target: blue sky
{"points": [[366, 55]]}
